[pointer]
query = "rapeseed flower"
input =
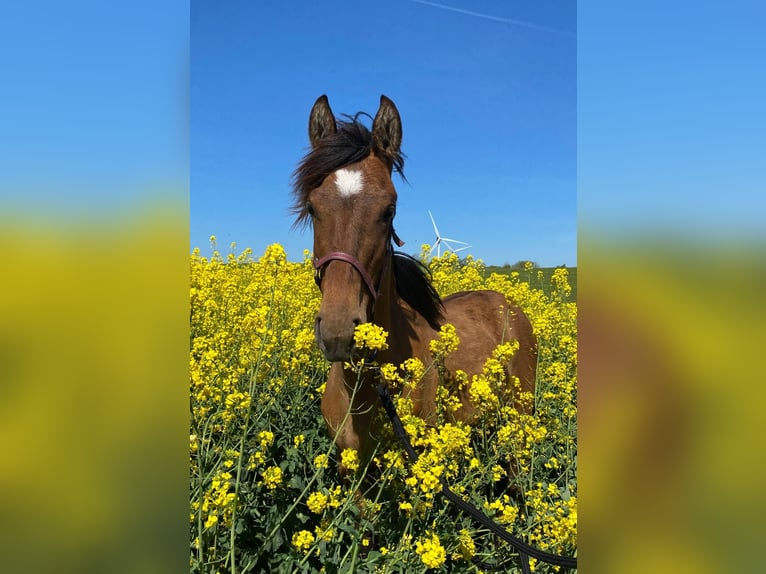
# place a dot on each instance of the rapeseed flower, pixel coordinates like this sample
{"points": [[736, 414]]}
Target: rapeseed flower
{"points": [[272, 477], [350, 459], [370, 336], [324, 534], [303, 540], [446, 342], [266, 438], [431, 551], [321, 461], [466, 547], [317, 502]]}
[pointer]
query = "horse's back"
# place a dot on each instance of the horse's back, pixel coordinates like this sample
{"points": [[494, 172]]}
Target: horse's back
{"points": [[483, 320]]}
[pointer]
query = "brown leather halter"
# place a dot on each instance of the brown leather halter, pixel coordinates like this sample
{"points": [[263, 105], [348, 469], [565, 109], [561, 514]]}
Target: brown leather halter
{"points": [[321, 262]]}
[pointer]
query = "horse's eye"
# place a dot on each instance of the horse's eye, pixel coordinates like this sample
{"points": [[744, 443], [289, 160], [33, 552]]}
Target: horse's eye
{"points": [[388, 214], [310, 210]]}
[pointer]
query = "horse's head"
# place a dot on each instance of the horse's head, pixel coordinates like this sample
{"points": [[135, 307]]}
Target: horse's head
{"points": [[343, 187]]}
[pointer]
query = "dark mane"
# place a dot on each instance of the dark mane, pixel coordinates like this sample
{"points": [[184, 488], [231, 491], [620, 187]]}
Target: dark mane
{"points": [[351, 143], [413, 283]]}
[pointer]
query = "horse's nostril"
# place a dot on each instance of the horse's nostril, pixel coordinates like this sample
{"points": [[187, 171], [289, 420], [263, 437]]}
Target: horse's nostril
{"points": [[357, 322]]}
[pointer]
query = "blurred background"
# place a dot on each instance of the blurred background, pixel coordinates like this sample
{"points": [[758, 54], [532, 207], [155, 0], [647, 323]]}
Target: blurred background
{"points": [[672, 259], [94, 292]]}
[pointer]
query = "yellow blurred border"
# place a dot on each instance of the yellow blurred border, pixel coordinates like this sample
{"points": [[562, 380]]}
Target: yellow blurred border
{"points": [[94, 400], [671, 403]]}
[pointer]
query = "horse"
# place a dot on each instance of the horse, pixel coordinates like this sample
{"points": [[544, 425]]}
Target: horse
{"points": [[343, 189]]}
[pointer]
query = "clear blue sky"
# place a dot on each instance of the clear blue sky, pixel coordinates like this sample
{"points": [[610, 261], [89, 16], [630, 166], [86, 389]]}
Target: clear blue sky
{"points": [[486, 91], [672, 118], [93, 109]]}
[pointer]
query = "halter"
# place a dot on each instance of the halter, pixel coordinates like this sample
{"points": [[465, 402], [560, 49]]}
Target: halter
{"points": [[320, 263]]}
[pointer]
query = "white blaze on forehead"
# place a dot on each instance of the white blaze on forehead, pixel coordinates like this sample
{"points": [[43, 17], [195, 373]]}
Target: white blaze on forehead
{"points": [[349, 182]]}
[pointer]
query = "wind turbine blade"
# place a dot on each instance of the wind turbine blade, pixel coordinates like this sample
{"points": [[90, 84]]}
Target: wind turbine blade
{"points": [[453, 240], [434, 223]]}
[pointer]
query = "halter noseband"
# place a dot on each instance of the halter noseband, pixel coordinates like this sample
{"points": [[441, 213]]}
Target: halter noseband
{"points": [[320, 263]]}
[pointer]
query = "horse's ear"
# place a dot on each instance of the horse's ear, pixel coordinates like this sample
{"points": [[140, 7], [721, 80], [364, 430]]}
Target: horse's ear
{"points": [[321, 121], [387, 128]]}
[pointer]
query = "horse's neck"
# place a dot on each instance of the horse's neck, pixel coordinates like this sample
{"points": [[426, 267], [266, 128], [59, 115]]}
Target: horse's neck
{"points": [[397, 318]]}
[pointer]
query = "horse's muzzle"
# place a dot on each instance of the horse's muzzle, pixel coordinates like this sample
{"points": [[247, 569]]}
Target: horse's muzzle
{"points": [[335, 341]]}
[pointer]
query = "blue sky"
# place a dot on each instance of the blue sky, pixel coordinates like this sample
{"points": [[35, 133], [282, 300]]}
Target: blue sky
{"points": [[486, 91], [671, 118], [92, 110]]}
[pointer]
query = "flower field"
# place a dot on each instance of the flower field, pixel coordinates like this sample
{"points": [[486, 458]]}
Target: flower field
{"points": [[265, 494]]}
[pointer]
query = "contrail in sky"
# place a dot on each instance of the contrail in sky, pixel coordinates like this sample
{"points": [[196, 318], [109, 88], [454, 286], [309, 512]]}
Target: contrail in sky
{"points": [[495, 18]]}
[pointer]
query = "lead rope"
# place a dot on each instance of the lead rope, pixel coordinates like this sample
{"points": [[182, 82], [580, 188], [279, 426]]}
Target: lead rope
{"points": [[525, 550]]}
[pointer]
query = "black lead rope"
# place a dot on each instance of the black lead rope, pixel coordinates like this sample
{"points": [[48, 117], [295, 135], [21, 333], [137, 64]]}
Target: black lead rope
{"points": [[525, 550]]}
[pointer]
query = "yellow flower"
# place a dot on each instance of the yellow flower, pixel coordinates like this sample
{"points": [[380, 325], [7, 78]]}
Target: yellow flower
{"points": [[272, 477], [389, 373], [317, 502], [324, 533], [481, 393], [414, 369], [560, 281], [298, 440], [431, 551], [553, 462], [266, 438], [303, 540], [447, 341], [370, 336], [321, 461], [466, 549], [334, 499], [394, 459], [350, 459]]}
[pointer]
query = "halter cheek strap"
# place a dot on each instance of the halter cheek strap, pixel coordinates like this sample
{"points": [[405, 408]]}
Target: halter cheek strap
{"points": [[320, 263], [340, 256]]}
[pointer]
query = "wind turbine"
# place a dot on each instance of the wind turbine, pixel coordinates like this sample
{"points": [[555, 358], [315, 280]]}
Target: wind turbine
{"points": [[445, 240]]}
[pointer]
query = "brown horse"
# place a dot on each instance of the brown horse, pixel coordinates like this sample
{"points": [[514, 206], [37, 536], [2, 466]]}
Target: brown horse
{"points": [[343, 188]]}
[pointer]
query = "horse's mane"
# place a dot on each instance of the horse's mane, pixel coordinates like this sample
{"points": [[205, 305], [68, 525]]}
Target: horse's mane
{"points": [[413, 283], [352, 142]]}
